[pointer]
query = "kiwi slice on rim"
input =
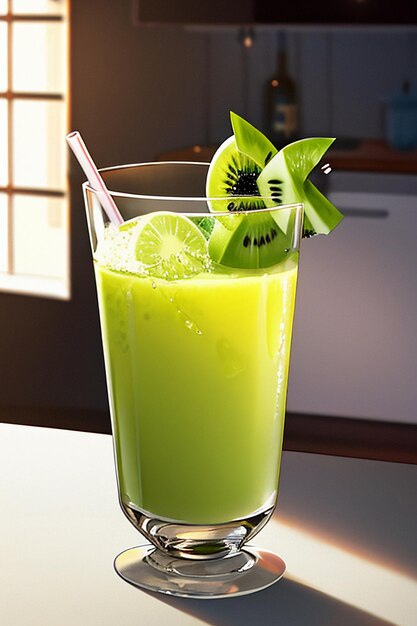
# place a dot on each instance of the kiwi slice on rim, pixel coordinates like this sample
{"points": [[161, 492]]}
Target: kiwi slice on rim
{"points": [[248, 241], [282, 179], [241, 240], [170, 246], [232, 175], [286, 176]]}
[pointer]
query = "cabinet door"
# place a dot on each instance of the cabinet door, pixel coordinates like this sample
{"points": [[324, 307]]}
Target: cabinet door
{"points": [[355, 332]]}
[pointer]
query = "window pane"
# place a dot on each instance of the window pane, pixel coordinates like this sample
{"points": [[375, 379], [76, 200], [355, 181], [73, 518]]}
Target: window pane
{"points": [[3, 56], [3, 144], [39, 57], [3, 7], [39, 236], [3, 232], [39, 149], [31, 7]]}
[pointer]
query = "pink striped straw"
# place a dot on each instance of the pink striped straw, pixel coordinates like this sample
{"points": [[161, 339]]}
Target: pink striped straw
{"points": [[79, 148]]}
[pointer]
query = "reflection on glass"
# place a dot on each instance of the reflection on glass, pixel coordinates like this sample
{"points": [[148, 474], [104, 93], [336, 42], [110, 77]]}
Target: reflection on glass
{"points": [[39, 227], [39, 150], [3, 229], [3, 56], [32, 7], [39, 57], [4, 174]]}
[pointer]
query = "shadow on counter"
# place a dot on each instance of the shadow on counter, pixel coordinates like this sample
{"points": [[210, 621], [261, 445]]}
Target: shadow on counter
{"points": [[287, 602]]}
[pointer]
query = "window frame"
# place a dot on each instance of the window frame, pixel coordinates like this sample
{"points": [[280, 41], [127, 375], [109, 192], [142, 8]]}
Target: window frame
{"points": [[42, 286]]}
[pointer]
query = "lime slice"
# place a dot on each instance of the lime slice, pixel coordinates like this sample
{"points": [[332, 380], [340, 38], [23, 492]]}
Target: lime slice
{"points": [[170, 246]]}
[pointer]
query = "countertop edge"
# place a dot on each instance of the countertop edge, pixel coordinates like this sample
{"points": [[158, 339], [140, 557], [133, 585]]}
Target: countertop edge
{"points": [[319, 434]]}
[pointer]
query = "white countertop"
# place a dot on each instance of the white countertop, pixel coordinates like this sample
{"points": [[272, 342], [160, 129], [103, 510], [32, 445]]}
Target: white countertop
{"points": [[345, 527]]}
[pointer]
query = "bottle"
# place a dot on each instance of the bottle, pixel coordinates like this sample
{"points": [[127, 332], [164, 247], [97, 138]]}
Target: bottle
{"points": [[281, 105]]}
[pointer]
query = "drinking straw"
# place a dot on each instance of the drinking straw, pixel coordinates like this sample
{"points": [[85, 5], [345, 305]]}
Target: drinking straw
{"points": [[79, 148]]}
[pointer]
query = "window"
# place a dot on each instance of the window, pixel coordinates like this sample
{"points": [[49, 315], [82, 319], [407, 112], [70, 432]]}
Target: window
{"points": [[34, 204]]}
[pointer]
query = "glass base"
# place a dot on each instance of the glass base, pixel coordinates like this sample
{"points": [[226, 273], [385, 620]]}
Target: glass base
{"points": [[243, 572]]}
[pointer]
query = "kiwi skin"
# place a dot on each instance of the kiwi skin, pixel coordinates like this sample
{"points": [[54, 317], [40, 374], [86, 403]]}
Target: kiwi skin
{"points": [[251, 141]]}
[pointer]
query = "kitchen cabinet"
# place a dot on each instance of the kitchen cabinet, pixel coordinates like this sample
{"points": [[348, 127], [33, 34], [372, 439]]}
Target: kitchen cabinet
{"points": [[355, 342]]}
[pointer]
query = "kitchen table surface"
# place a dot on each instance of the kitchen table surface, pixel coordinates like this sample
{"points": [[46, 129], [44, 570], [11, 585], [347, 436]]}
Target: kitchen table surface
{"points": [[347, 529]]}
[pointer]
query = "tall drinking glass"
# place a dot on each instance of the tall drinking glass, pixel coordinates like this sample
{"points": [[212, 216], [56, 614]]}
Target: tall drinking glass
{"points": [[196, 308]]}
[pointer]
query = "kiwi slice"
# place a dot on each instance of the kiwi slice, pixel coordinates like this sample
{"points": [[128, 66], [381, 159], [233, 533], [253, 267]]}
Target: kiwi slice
{"points": [[170, 246], [285, 178], [248, 241], [232, 175], [241, 240], [247, 164], [284, 175]]}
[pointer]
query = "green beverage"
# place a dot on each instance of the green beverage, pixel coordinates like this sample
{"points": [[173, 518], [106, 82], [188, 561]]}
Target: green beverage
{"points": [[196, 271], [198, 374]]}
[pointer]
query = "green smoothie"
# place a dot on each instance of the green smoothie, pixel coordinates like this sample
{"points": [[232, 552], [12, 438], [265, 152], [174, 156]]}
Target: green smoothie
{"points": [[197, 374]]}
